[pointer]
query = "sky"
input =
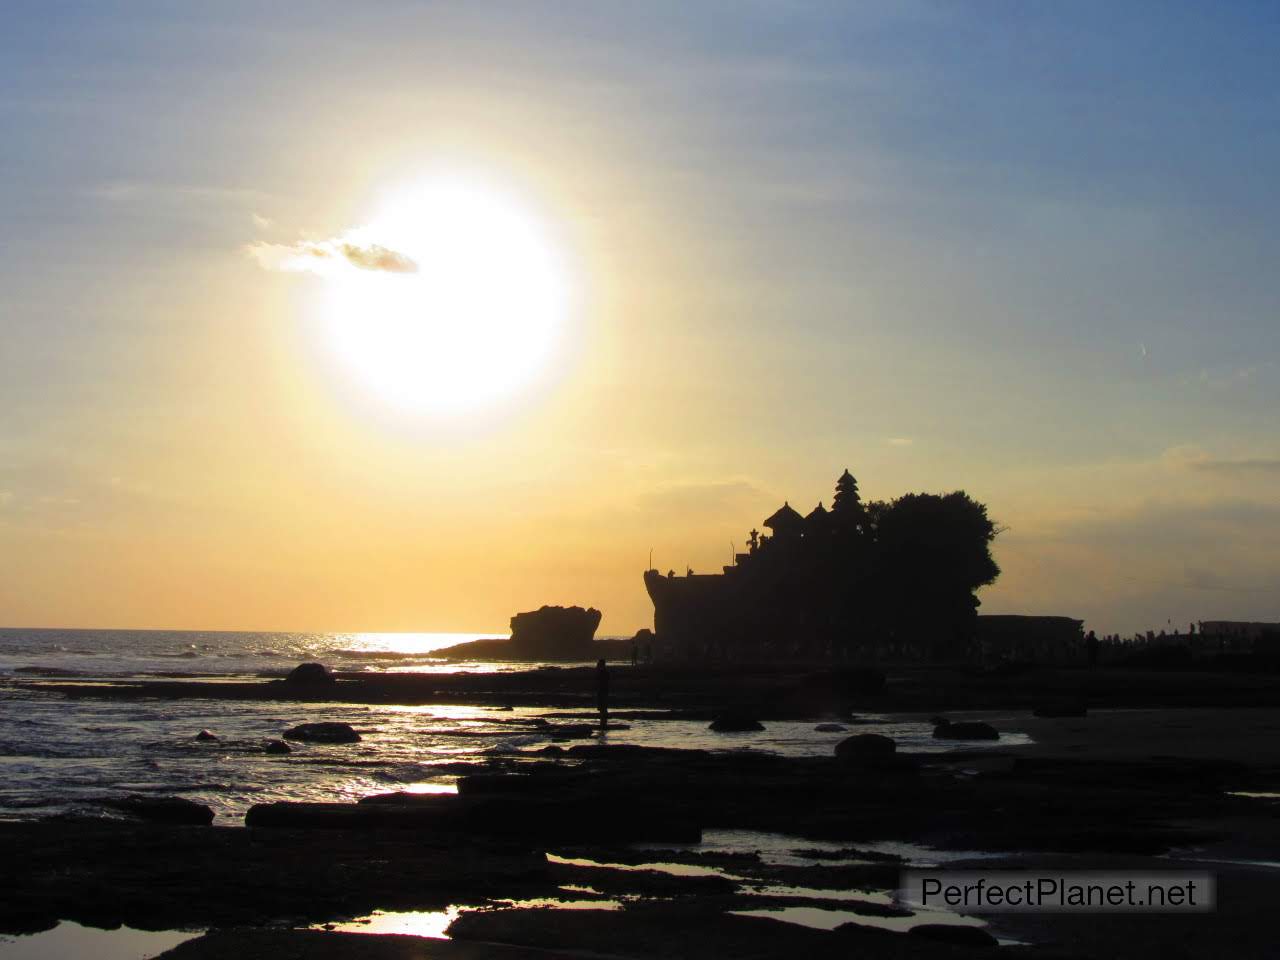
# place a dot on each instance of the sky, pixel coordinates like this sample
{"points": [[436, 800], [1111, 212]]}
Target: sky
{"points": [[1025, 250]]}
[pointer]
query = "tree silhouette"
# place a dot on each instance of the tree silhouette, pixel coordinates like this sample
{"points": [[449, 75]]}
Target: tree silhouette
{"points": [[932, 552]]}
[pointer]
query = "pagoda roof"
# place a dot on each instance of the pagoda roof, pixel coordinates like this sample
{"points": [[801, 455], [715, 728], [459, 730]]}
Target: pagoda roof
{"points": [[785, 516], [818, 513]]}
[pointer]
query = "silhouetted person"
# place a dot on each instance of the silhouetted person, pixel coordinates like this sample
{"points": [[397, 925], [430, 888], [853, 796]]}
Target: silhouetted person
{"points": [[635, 652], [602, 692], [1091, 645]]}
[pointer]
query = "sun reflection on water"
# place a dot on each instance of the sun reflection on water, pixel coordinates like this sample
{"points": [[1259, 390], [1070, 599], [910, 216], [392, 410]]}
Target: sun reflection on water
{"points": [[424, 923], [414, 643]]}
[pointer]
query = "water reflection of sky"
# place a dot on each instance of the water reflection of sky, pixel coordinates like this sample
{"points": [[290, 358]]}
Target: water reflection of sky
{"points": [[69, 939], [53, 750]]}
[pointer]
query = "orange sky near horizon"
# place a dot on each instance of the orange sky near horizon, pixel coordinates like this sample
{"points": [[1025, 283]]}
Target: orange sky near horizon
{"points": [[798, 246]]}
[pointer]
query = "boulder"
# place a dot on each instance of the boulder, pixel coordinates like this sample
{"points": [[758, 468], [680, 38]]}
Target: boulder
{"points": [[171, 810], [277, 746], [965, 731], [735, 721], [310, 675], [866, 746], [206, 735], [830, 728], [323, 733], [954, 933]]}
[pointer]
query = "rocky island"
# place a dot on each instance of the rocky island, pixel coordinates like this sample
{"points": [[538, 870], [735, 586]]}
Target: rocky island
{"points": [[548, 633]]}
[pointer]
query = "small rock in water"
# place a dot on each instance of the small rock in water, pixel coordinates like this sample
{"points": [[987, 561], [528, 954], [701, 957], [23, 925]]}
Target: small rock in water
{"points": [[277, 746], [735, 721], [866, 746], [175, 810], [310, 675], [206, 735], [323, 733], [829, 728], [965, 731]]}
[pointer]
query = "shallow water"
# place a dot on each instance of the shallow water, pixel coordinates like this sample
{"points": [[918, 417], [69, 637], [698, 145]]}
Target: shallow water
{"points": [[72, 940], [57, 754]]}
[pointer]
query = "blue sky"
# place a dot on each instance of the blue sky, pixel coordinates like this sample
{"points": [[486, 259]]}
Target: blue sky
{"points": [[1024, 249]]}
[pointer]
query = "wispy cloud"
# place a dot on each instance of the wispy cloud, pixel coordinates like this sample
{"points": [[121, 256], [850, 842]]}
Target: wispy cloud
{"points": [[900, 441], [1195, 459], [1243, 465], [313, 256]]}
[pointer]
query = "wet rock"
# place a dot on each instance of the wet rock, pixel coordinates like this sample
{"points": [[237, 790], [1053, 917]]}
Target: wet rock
{"points": [[310, 675], [954, 933], [430, 812], [965, 731], [735, 721], [571, 818], [571, 731], [277, 747], [172, 810], [830, 728], [866, 746], [330, 732], [206, 736]]}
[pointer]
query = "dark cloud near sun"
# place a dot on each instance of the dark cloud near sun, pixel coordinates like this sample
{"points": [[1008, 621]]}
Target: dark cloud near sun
{"points": [[376, 257], [310, 255]]}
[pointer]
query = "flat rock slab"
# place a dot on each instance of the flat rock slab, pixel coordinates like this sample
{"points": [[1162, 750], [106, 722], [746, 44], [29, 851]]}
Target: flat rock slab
{"points": [[159, 877], [326, 945], [680, 934]]}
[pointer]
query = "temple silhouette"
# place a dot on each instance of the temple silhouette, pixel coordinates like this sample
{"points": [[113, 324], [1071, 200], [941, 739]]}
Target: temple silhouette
{"points": [[861, 581]]}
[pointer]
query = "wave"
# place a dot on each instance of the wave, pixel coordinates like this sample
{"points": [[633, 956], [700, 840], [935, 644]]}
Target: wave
{"points": [[382, 655]]}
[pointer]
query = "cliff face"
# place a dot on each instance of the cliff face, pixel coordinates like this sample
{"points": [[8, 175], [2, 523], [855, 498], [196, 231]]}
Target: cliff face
{"points": [[548, 633]]}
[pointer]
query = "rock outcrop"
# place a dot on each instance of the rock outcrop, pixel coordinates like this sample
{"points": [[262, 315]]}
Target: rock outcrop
{"points": [[548, 633]]}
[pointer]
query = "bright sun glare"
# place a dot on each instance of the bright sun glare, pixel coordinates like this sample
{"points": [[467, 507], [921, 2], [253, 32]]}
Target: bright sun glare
{"points": [[470, 309]]}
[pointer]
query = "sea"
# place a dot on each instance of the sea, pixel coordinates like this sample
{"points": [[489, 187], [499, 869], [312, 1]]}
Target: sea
{"points": [[59, 755]]}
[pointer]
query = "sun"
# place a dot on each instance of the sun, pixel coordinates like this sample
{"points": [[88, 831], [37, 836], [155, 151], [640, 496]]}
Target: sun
{"points": [[452, 298]]}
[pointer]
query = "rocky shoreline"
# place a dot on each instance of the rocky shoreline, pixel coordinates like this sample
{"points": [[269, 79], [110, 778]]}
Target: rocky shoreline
{"points": [[589, 824], [772, 691]]}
